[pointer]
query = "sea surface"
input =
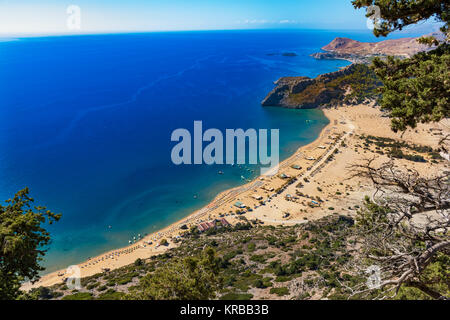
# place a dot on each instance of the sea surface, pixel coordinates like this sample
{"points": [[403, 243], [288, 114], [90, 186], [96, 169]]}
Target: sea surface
{"points": [[85, 123]]}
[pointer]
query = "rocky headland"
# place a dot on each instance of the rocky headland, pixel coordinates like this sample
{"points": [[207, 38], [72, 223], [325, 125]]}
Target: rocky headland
{"points": [[352, 84], [364, 52]]}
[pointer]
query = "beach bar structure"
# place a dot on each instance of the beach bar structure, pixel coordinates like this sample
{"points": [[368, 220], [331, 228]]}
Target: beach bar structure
{"points": [[205, 226], [224, 222], [239, 204]]}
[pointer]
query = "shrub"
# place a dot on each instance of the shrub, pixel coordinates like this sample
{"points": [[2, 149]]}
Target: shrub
{"points": [[237, 296], [79, 296], [258, 258], [92, 285], [138, 262], [279, 291], [111, 295]]}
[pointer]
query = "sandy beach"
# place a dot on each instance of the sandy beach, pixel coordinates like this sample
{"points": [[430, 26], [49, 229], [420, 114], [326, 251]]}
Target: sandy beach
{"points": [[321, 188]]}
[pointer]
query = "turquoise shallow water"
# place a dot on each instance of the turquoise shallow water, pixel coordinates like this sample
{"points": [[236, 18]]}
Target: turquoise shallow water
{"points": [[85, 122]]}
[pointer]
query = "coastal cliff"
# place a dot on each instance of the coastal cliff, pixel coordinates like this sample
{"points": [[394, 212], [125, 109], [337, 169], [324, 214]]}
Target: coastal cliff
{"points": [[352, 84], [364, 52]]}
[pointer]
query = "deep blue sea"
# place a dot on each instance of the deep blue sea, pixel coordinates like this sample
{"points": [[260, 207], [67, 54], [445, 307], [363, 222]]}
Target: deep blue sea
{"points": [[85, 123]]}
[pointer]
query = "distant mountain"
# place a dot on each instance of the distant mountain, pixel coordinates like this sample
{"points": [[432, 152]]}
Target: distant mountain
{"points": [[364, 52], [398, 47]]}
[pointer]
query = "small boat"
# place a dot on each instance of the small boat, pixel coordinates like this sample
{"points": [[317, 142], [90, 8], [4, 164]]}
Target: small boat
{"points": [[221, 172]]}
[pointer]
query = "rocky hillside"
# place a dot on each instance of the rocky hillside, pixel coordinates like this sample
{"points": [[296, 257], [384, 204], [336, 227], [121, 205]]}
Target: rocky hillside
{"points": [[363, 52], [310, 261], [397, 47], [256, 262], [351, 84]]}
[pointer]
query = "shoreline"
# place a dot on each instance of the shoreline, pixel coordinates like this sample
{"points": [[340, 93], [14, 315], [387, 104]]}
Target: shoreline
{"points": [[319, 180], [88, 267]]}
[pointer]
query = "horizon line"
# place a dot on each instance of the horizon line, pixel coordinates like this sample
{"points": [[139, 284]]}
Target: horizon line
{"points": [[116, 32]]}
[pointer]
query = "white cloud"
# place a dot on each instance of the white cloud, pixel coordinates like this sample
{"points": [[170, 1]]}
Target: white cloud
{"points": [[288, 22], [256, 21]]}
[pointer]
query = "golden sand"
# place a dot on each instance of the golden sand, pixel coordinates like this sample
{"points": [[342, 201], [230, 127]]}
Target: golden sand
{"points": [[327, 180]]}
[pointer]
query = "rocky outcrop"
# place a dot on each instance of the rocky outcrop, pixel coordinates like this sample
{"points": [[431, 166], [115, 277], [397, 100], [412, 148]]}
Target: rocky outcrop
{"points": [[283, 95], [364, 52], [284, 87]]}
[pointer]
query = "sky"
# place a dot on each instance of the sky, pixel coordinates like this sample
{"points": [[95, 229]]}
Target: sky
{"points": [[106, 16]]}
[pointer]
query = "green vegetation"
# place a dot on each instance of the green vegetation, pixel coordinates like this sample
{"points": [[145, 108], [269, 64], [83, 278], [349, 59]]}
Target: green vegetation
{"points": [[237, 296], [79, 296], [230, 270], [386, 240], [394, 149], [362, 82], [41, 293], [182, 279], [397, 14], [280, 291], [416, 89], [22, 242], [398, 154], [111, 295], [318, 254], [359, 85]]}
